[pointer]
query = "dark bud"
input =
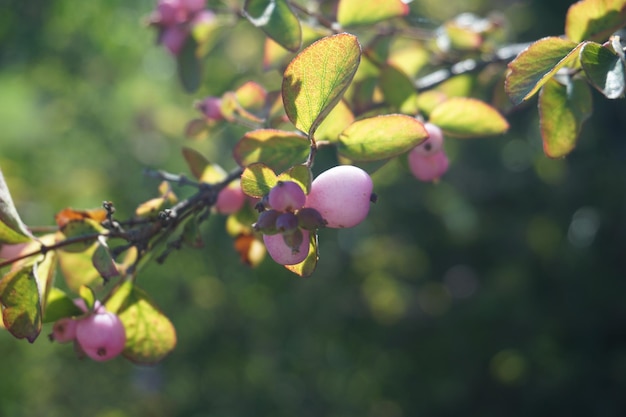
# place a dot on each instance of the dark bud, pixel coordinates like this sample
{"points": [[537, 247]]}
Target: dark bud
{"points": [[266, 223], [286, 222], [294, 240], [310, 219]]}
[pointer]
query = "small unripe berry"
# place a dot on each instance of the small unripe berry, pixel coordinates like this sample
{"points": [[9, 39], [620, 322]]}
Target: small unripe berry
{"points": [[230, 199], [341, 195], [433, 143], [286, 222], [310, 219], [286, 196], [266, 223], [64, 330], [428, 167], [282, 253], [101, 336]]}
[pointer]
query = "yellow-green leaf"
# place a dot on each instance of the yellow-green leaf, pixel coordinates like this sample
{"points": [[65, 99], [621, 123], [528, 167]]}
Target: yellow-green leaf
{"points": [[277, 20], [257, 180], [20, 297], [307, 267], [58, 305], [380, 137], [300, 174], [562, 111], [594, 19], [335, 123], [317, 77], [77, 268], [277, 149], [150, 335], [84, 231], [366, 12], [468, 117], [398, 90], [538, 63], [12, 230]]}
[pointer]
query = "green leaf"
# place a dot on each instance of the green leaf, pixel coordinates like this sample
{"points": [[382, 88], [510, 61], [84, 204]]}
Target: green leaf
{"points": [[562, 111], [150, 335], [189, 66], [12, 230], [335, 123], [381, 137], [84, 230], [468, 117], [594, 19], [21, 303], [299, 173], [277, 149], [118, 297], [538, 63], [398, 90], [59, 305], [257, 180], [604, 68], [88, 296], [317, 77], [307, 267], [275, 18], [77, 268], [366, 12], [196, 162], [103, 261]]}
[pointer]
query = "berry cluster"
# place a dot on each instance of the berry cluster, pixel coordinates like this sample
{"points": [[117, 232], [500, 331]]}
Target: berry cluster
{"points": [[175, 20], [99, 334], [338, 198]]}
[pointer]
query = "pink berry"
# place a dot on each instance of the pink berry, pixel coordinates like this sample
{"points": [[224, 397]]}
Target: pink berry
{"points": [[286, 196], [101, 336], [211, 107], [433, 143], [282, 253], [428, 167], [230, 199], [193, 6], [169, 12], [64, 330], [341, 195]]}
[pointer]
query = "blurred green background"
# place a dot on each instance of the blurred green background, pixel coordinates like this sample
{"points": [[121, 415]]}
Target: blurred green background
{"points": [[498, 292]]}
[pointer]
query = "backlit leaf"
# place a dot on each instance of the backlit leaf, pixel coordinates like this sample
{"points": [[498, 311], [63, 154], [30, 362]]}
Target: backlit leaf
{"points": [[535, 65], [250, 248], [277, 149], [150, 335], [67, 215], [277, 20], [12, 230], [366, 12], [84, 231], [337, 120], [58, 305], [380, 137], [77, 268], [398, 90], [594, 19], [468, 117], [257, 180], [604, 68], [307, 267], [300, 174], [21, 303], [562, 111], [317, 77]]}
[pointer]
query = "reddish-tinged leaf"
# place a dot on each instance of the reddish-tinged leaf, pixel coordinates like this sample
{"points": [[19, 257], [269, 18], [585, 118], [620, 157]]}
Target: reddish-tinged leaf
{"points": [[84, 231], [366, 12], [594, 20], [535, 65], [275, 18], [251, 96], [467, 118], [316, 79], [12, 230], [68, 214], [277, 149], [604, 68], [251, 250], [562, 111], [20, 297], [381, 137]]}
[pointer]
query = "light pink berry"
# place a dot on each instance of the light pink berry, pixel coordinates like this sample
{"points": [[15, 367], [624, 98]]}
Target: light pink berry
{"points": [[433, 143], [101, 336], [230, 199], [64, 330], [428, 167], [281, 253], [173, 38], [286, 196], [211, 107]]}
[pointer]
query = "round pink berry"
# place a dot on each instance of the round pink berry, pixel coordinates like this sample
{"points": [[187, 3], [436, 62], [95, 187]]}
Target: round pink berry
{"points": [[433, 143], [230, 199], [101, 336], [428, 167], [64, 330], [211, 107], [282, 253], [286, 196]]}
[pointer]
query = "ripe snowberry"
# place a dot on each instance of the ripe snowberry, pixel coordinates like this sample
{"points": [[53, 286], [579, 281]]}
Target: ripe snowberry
{"points": [[281, 250], [230, 199], [286, 196], [428, 167], [211, 107], [64, 330], [433, 143], [341, 195], [101, 336]]}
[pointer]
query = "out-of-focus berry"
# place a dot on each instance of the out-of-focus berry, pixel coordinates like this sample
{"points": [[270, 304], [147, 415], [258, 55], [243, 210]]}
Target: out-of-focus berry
{"points": [[230, 199], [434, 142], [428, 167]]}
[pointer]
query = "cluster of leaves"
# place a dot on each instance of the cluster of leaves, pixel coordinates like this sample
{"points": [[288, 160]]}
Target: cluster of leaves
{"points": [[363, 93]]}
